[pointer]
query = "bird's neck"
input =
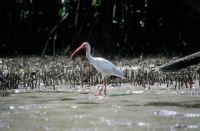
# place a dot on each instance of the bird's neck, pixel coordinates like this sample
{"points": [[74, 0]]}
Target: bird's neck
{"points": [[88, 53]]}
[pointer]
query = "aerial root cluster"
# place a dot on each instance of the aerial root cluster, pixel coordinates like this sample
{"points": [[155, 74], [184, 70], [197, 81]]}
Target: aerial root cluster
{"points": [[41, 72]]}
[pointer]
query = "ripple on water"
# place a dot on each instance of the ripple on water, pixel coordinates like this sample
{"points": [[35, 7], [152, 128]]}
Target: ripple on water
{"points": [[138, 92], [101, 97], [27, 107], [193, 104], [67, 99], [87, 102], [181, 126], [32, 106], [168, 113], [84, 129], [114, 122], [12, 107]]}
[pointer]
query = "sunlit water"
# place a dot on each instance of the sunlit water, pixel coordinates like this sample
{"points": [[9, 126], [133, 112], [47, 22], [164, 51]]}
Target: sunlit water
{"points": [[124, 108]]}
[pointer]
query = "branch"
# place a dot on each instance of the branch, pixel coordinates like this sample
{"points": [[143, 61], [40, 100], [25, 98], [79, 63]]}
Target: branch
{"points": [[182, 62], [51, 32]]}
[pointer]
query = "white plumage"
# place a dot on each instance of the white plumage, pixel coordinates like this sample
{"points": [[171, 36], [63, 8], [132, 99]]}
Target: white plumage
{"points": [[102, 65]]}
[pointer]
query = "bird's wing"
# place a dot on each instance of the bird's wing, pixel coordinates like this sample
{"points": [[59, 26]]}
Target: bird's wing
{"points": [[118, 72], [102, 65], [107, 68]]}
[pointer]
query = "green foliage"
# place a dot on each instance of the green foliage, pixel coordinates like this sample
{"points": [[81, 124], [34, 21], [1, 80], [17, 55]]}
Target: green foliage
{"points": [[62, 10], [96, 3]]}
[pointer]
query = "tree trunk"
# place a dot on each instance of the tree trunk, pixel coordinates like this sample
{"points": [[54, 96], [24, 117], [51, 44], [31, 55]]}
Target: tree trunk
{"points": [[182, 62]]}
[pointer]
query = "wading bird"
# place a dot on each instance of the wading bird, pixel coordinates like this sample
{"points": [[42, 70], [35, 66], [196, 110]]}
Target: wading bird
{"points": [[105, 67]]}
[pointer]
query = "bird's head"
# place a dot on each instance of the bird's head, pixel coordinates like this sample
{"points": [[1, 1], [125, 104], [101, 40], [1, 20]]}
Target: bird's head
{"points": [[83, 45]]}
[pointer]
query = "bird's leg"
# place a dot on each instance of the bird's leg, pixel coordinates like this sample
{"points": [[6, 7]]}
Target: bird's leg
{"points": [[100, 90], [104, 85]]}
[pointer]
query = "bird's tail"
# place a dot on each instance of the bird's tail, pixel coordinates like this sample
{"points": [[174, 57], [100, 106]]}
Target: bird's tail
{"points": [[122, 77]]}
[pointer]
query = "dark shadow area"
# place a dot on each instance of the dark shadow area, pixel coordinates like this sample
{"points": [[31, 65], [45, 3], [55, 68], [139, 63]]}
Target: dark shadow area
{"points": [[192, 104], [114, 28]]}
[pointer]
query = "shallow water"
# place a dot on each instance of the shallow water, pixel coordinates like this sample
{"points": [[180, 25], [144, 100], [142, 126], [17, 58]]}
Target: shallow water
{"points": [[124, 108]]}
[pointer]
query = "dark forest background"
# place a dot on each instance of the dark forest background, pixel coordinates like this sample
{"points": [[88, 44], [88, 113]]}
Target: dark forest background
{"points": [[113, 27]]}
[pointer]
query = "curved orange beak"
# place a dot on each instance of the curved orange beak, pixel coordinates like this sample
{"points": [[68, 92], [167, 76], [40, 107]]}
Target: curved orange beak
{"points": [[77, 50]]}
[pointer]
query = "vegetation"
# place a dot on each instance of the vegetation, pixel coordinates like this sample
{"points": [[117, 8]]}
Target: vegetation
{"points": [[52, 72]]}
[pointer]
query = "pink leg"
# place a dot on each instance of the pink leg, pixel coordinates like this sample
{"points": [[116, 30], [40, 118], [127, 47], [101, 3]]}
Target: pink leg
{"points": [[99, 92], [104, 83], [102, 88]]}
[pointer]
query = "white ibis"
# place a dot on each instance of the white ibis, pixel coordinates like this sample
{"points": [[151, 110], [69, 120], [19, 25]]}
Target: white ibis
{"points": [[101, 65]]}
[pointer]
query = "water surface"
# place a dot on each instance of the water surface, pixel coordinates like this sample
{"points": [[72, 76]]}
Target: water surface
{"points": [[124, 108]]}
